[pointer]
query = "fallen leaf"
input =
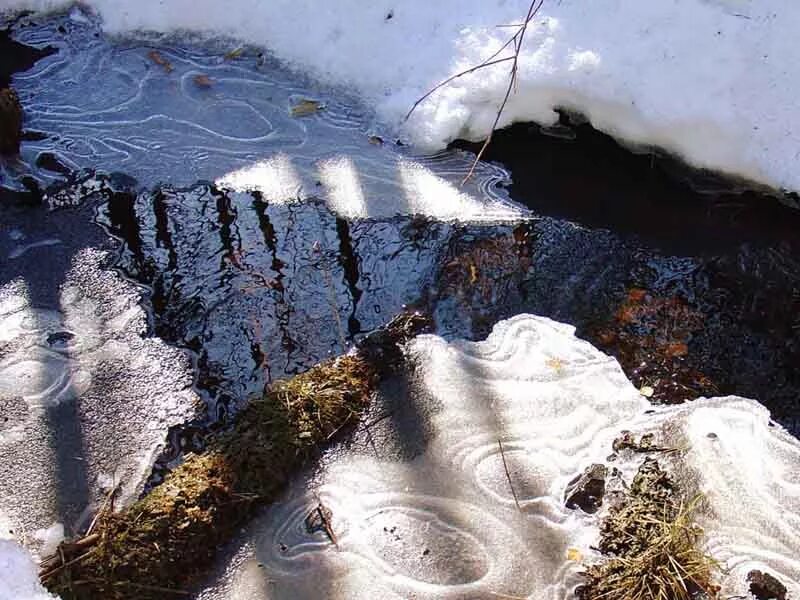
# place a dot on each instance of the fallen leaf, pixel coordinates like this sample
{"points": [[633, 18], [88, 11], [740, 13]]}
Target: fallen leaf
{"points": [[160, 60], [636, 294], [574, 554], [375, 140], [677, 349], [203, 81], [235, 53], [473, 274], [305, 108]]}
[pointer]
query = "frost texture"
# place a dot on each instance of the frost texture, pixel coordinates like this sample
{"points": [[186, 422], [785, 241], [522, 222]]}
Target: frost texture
{"points": [[442, 523], [19, 579]]}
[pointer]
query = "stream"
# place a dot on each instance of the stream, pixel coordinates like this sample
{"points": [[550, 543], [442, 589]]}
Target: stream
{"points": [[189, 220]]}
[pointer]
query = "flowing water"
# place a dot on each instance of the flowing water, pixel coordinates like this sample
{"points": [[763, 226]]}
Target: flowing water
{"points": [[197, 240]]}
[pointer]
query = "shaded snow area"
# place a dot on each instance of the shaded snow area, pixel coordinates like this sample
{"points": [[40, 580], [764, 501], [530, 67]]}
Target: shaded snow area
{"points": [[711, 80], [432, 515]]}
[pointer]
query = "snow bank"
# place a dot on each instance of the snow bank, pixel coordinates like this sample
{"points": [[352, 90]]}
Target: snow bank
{"points": [[18, 574], [712, 80]]}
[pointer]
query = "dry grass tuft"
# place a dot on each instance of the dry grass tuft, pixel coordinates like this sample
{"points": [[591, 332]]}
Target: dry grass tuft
{"points": [[653, 546]]}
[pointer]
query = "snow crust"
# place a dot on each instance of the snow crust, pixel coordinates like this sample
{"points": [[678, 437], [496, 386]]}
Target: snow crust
{"points": [[714, 81]]}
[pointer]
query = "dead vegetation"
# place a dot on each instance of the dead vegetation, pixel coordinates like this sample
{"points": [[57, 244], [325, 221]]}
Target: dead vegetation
{"points": [[514, 45], [161, 545], [652, 546]]}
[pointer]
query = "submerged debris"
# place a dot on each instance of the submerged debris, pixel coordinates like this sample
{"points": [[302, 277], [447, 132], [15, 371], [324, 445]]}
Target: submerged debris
{"points": [[766, 587], [650, 335], [10, 121], [652, 546], [306, 107], [203, 81], [162, 544], [159, 59]]}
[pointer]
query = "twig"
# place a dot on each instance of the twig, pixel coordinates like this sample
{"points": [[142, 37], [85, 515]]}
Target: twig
{"points": [[512, 82], [515, 40], [461, 74], [102, 510], [58, 569], [322, 512], [508, 475]]}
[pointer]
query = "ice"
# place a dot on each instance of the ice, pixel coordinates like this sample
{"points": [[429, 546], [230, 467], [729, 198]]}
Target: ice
{"points": [[715, 82], [19, 579], [83, 393], [443, 522]]}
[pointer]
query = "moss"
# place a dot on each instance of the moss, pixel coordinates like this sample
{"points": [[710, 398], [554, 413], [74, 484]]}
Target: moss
{"points": [[652, 546], [161, 545]]}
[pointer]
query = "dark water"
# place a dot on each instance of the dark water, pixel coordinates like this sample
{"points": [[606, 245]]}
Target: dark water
{"points": [[263, 291]]}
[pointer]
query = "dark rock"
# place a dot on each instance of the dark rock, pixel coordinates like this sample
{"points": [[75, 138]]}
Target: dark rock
{"points": [[50, 162], [10, 121], [587, 490], [766, 587]]}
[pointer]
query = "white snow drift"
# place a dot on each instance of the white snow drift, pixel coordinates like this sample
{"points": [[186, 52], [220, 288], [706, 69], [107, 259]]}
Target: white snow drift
{"points": [[715, 81]]}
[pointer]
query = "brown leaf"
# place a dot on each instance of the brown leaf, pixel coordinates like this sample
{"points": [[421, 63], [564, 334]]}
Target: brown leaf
{"points": [[162, 62], [203, 81]]}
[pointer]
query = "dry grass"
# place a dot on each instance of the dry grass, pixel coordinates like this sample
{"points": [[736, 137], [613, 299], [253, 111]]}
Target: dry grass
{"points": [[653, 546]]}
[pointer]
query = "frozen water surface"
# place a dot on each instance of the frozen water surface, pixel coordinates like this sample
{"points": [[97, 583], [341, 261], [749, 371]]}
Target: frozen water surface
{"points": [[262, 286], [167, 111]]}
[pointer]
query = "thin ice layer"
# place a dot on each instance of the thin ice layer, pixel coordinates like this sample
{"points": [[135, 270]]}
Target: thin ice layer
{"points": [[19, 579], [712, 80], [178, 111], [438, 519], [87, 400]]}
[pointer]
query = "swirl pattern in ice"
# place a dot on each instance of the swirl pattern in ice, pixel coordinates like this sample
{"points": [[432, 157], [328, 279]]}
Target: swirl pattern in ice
{"points": [[85, 399], [445, 523], [173, 112]]}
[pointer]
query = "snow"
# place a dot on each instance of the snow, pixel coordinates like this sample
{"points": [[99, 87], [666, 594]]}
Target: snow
{"points": [[713, 81], [18, 574]]}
